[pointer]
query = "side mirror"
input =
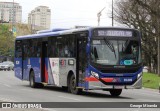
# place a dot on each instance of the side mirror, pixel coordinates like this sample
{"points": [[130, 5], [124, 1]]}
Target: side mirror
{"points": [[88, 48]]}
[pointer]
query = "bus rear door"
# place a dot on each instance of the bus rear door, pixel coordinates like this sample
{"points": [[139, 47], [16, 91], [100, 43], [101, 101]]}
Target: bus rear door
{"points": [[44, 62], [18, 62]]}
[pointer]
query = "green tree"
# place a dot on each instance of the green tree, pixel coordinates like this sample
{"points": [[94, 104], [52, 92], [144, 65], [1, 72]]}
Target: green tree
{"points": [[143, 15], [6, 41]]}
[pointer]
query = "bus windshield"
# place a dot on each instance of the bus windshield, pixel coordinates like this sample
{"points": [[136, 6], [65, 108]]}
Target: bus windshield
{"points": [[115, 52]]}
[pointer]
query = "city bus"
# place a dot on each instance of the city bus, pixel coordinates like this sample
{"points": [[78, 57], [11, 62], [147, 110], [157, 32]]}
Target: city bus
{"points": [[93, 58]]}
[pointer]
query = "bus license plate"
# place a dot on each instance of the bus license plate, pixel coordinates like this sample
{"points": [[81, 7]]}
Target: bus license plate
{"points": [[119, 87]]}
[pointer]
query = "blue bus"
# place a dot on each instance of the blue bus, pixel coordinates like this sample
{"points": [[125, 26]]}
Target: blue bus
{"points": [[93, 58]]}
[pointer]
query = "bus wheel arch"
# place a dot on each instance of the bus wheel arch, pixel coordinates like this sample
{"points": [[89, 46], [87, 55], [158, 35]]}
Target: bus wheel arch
{"points": [[68, 79], [71, 83], [32, 82]]}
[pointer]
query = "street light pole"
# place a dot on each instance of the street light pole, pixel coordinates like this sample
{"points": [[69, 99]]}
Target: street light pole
{"points": [[112, 12]]}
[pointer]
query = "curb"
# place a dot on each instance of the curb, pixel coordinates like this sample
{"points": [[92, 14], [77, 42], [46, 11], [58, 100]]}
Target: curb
{"points": [[156, 90]]}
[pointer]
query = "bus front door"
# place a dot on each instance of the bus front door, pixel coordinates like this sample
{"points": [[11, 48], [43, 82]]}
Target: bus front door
{"points": [[81, 59]]}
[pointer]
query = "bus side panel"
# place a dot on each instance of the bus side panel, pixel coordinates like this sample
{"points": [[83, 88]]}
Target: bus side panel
{"points": [[54, 71], [50, 76], [82, 83], [66, 65], [25, 74], [33, 63], [18, 68], [36, 65]]}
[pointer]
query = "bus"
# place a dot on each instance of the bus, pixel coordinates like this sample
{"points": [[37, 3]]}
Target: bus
{"points": [[93, 58]]}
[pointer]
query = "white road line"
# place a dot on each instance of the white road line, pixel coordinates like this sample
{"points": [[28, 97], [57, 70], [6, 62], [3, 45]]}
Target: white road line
{"points": [[48, 109], [7, 85], [7, 100], [69, 98]]}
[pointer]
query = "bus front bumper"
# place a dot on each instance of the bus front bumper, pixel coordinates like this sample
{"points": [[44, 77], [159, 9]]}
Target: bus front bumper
{"points": [[99, 85]]}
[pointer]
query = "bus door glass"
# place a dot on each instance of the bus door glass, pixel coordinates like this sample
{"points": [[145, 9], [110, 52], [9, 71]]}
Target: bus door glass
{"points": [[81, 58], [18, 59], [44, 64], [26, 55]]}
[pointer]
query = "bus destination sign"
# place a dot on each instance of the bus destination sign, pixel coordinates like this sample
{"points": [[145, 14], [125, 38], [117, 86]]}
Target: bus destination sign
{"points": [[113, 33]]}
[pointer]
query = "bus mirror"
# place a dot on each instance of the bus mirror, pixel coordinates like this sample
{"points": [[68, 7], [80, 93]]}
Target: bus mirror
{"points": [[88, 48]]}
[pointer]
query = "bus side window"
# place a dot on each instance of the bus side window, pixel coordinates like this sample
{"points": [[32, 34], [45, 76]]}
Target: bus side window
{"points": [[18, 51]]}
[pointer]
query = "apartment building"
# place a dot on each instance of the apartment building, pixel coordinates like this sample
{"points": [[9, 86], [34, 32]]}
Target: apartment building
{"points": [[40, 18], [10, 12]]}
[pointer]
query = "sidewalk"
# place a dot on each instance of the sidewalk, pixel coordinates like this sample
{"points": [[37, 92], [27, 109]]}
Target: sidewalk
{"points": [[155, 90]]}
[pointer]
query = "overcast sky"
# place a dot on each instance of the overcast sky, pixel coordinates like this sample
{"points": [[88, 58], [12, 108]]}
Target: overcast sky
{"points": [[70, 13]]}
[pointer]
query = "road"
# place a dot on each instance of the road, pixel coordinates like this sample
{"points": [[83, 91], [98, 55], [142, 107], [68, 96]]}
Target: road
{"points": [[15, 90]]}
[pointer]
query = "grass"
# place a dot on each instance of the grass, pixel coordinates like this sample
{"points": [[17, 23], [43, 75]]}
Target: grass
{"points": [[151, 80]]}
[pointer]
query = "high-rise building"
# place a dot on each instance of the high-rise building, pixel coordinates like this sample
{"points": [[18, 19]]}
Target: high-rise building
{"points": [[40, 18], [10, 12]]}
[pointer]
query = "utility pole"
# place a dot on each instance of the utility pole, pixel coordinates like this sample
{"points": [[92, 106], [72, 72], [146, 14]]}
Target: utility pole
{"points": [[158, 33], [158, 37], [112, 12], [99, 15]]}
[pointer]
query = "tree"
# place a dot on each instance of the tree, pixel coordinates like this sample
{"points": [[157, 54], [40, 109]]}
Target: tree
{"points": [[7, 37], [6, 41], [142, 15]]}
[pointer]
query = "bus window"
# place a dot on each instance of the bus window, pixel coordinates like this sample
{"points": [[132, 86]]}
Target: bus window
{"points": [[18, 51], [62, 46], [52, 47]]}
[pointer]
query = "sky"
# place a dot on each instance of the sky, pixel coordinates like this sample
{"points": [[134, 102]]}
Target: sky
{"points": [[70, 13]]}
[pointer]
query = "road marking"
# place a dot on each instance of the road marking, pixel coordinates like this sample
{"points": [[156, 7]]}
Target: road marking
{"points": [[7, 85], [7, 100], [69, 98], [49, 109]]}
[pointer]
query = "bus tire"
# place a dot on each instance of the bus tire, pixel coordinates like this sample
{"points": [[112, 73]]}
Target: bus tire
{"points": [[32, 82], [72, 85], [115, 92]]}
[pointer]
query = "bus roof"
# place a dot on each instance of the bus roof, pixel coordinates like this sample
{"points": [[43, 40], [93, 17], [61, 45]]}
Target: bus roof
{"points": [[50, 33], [58, 32], [51, 30]]}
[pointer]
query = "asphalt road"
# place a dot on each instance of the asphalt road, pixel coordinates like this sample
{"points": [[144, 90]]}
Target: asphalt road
{"points": [[15, 90]]}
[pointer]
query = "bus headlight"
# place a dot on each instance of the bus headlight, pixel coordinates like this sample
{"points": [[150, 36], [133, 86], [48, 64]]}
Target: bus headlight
{"points": [[139, 75], [94, 74]]}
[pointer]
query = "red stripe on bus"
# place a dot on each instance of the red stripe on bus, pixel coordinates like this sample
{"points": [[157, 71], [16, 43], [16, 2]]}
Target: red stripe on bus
{"points": [[93, 79], [46, 74]]}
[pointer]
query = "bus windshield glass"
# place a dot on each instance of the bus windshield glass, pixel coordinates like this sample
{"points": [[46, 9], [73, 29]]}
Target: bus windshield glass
{"points": [[115, 52]]}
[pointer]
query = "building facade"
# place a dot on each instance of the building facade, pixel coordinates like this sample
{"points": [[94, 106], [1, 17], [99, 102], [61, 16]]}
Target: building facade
{"points": [[10, 12], [40, 18]]}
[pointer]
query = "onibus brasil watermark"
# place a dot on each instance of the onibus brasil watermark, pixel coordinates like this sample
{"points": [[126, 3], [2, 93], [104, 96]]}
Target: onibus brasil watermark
{"points": [[21, 105]]}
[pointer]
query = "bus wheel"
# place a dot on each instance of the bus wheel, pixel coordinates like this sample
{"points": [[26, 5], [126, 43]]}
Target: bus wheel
{"points": [[115, 92], [72, 85], [32, 82]]}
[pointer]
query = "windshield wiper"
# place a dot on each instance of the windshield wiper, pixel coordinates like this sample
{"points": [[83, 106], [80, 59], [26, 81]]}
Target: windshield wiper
{"points": [[111, 47]]}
